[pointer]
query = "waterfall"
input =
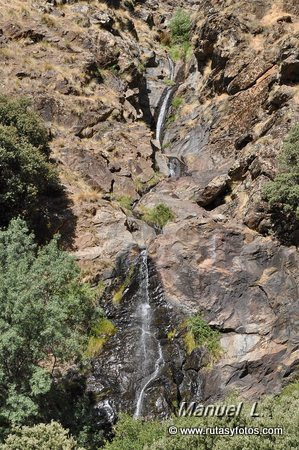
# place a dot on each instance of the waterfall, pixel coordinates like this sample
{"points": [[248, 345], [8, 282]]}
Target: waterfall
{"points": [[172, 169], [165, 103], [151, 356]]}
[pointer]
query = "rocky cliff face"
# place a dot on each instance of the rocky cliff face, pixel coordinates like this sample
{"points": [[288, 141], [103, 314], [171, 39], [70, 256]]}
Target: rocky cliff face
{"points": [[98, 73]]}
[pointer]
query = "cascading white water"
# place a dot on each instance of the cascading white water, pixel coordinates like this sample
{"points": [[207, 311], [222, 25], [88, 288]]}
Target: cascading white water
{"points": [[172, 168], [165, 104], [150, 347]]}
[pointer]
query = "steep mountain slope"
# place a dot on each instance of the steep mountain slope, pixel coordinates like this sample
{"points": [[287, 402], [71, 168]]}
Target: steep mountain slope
{"points": [[99, 74]]}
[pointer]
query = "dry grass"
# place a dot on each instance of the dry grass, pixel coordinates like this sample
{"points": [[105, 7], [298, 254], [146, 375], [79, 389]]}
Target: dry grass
{"points": [[88, 196], [188, 108], [257, 42], [15, 8], [274, 13], [81, 191], [7, 53], [296, 96]]}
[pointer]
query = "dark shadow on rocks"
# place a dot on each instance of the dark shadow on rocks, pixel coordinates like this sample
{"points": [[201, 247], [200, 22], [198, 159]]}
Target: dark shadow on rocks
{"points": [[55, 215], [113, 3], [286, 227], [73, 407], [144, 102]]}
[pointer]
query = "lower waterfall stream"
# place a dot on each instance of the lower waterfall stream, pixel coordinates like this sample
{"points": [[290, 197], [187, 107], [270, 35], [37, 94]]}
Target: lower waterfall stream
{"points": [[150, 347]]}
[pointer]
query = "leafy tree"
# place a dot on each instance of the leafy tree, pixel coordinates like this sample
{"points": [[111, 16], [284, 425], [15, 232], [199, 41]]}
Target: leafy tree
{"points": [[25, 172], [40, 437], [45, 313], [284, 189], [17, 114]]}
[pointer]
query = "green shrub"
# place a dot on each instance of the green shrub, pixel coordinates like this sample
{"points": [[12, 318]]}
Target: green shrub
{"points": [[40, 437], [171, 119], [280, 411], [180, 51], [45, 314], [177, 102], [125, 201], [180, 30], [118, 295], [180, 27], [25, 172], [169, 82], [201, 334], [17, 114], [159, 215], [100, 334], [284, 189]]}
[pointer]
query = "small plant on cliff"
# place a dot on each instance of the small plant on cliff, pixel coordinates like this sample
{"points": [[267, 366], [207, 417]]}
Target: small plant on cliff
{"points": [[100, 334], [125, 201], [200, 334], [159, 215], [118, 295], [284, 189], [177, 102]]}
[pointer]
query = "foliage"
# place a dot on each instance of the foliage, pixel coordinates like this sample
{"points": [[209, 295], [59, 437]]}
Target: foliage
{"points": [[44, 314], [40, 437], [143, 186], [125, 201], [177, 102], [200, 334], [69, 404], [189, 342], [100, 333], [25, 172], [180, 51], [141, 68], [117, 298], [274, 412], [16, 114], [284, 189], [171, 334], [159, 215], [171, 119], [180, 27], [169, 82], [135, 434]]}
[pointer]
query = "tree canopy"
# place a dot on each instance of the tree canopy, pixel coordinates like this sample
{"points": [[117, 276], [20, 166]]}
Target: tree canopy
{"points": [[40, 437], [45, 314], [26, 174]]}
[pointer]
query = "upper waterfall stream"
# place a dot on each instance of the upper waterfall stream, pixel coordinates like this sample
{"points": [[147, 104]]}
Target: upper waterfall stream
{"points": [[165, 104]]}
